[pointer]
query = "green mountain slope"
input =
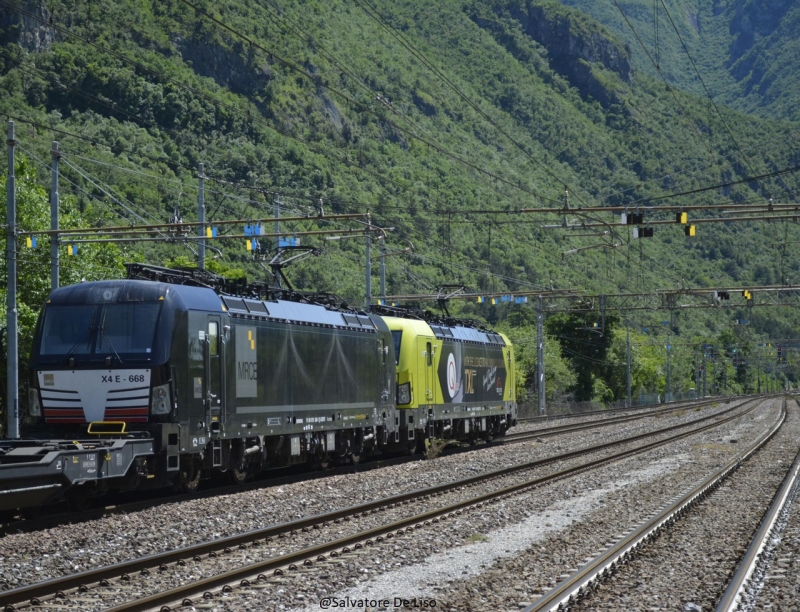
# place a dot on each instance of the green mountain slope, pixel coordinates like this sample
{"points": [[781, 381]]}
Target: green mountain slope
{"points": [[336, 100], [744, 51]]}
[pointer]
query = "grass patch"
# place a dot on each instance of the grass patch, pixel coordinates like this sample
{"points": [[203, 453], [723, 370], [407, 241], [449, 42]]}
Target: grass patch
{"points": [[477, 537], [714, 446], [435, 447]]}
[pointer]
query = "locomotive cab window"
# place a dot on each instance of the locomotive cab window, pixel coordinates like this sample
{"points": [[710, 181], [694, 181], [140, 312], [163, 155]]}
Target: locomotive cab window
{"points": [[213, 338], [398, 336], [87, 329], [429, 351]]}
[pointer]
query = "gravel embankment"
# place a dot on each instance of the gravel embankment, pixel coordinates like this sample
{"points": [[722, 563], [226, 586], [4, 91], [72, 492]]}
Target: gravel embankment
{"points": [[690, 564], [34, 557], [503, 555]]}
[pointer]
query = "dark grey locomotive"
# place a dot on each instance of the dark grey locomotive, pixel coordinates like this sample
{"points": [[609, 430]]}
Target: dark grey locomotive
{"points": [[220, 383]]}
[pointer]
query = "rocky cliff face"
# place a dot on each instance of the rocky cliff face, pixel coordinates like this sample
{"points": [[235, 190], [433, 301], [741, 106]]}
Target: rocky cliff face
{"points": [[567, 40], [755, 19], [576, 45], [23, 29], [234, 69]]}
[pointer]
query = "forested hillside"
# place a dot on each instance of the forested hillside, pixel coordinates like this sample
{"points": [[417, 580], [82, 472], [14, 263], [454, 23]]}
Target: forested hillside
{"points": [[442, 120], [743, 52]]}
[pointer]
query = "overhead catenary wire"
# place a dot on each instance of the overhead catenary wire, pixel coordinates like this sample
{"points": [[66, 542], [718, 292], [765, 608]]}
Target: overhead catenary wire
{"points": [[666, 82], [708, 93], [228, 196], [373, 12], [360, 107]]}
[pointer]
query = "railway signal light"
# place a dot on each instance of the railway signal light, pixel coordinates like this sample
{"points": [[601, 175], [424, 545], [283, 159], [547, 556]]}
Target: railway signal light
{"points": [[632, 218], [747, 294], [643, 232], [682, 218], [690, 230]]}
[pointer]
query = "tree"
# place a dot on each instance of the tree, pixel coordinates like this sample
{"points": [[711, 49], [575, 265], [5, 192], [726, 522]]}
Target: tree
{"points": [[586, 341], [93, 262]]}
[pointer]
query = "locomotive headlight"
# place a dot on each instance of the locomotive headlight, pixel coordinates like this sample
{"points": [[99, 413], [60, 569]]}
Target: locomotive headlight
{"points": [[159, 403], [404, 393], [34, 406]]}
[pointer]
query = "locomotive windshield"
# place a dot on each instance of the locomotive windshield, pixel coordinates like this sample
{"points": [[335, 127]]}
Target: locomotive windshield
{"points": [[118, 329]]}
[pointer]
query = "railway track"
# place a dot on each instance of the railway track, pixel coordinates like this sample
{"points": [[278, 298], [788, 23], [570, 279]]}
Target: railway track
{"points": [[308, 536], [42, 520], [590, 413], [614, 420], [754, 569], [604, 581]]}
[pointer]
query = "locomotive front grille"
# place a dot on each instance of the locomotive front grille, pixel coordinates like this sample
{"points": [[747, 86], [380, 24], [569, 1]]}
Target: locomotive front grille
{"points": [[61, 406], [83, 396]]}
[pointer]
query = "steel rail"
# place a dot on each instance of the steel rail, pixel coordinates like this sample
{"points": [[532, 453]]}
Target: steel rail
{"points": [[732, 597], [572, 588], [79, 580], [558, 429], [577, 415], [310, 555]]}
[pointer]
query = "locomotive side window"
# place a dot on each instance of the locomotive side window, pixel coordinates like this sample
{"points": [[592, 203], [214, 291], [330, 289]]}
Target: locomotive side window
{"points": [[429, 351], [398, 336], [213, 338]]}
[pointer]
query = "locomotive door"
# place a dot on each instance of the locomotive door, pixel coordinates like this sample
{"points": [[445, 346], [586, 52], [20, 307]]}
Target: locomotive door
{"points": [[213, 396], [428, 350]]}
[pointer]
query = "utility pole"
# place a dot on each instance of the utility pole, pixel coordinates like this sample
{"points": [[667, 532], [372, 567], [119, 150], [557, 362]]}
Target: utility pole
{"points": [[383, 266], [668, 398], [369, 273], [725, 375], [540, 356], [628, 358], [54, 197], [12, 331], [277, 213], [705, 374], [758, 376], [201, 216], [696, 373]]}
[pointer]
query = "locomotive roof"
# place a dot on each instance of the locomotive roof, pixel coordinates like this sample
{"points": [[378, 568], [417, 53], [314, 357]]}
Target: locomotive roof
{"points": [[117, 291], [448, 332], [297, 312]]}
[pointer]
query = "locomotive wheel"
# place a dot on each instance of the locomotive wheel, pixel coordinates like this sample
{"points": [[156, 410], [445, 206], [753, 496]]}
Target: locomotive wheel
{"points": [[321, 461], [237, 476], [78, 498], [190, 476]]}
